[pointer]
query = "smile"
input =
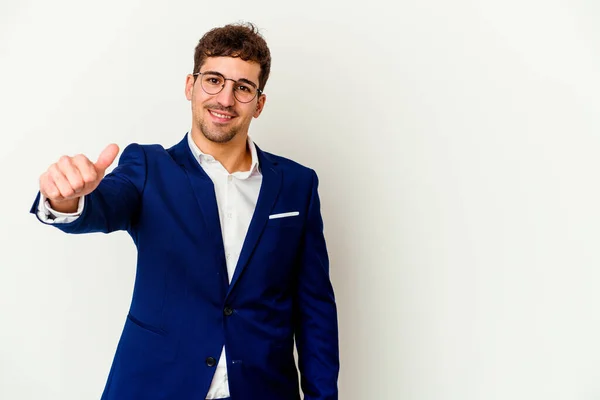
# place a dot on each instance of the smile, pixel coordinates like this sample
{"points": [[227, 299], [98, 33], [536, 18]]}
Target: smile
{"points": [[218, 115]]}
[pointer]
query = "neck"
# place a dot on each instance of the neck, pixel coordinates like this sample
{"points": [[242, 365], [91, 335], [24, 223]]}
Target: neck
{"points": [[234, 155]]}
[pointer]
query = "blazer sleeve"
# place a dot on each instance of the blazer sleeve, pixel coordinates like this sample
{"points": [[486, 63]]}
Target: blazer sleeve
{"points": [[316, 325], [115, 202]]}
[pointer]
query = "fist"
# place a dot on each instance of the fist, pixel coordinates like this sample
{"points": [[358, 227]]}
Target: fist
{"points": [[73, 177]]}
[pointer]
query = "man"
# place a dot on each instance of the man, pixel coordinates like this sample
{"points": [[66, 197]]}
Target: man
{"points": [[232, 263]]}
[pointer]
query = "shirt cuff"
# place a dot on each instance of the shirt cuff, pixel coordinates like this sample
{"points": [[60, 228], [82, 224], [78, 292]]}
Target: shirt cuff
{"points": [[50, 216]]}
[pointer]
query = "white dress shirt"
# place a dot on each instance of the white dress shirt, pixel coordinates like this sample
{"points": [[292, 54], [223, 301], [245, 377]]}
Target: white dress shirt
{"points": [[236, 196]]}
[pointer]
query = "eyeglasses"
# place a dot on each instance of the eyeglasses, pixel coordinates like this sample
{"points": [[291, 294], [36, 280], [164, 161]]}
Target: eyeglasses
{"points": [[213, 83]]}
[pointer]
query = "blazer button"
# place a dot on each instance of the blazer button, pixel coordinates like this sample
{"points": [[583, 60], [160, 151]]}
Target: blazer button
{"points": [[210, 361], [227, 311]]}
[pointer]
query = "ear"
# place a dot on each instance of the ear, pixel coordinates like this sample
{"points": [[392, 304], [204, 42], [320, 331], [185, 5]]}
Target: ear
{"points": [[189, 86], [260, 104]]}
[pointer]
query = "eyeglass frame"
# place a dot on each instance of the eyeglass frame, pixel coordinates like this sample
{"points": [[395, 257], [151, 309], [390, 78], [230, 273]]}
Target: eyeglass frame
{"points": [[259, 92]]}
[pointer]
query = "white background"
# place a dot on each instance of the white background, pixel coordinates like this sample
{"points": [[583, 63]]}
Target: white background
{"points": [[457, 148]]}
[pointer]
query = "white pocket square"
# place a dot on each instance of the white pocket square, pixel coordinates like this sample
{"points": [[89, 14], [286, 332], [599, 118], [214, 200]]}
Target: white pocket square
{"points": [[283, 215]]}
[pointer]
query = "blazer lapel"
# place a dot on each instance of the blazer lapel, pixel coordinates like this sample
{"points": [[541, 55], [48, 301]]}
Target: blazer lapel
{"points": [[204, 192], [269, 189]]}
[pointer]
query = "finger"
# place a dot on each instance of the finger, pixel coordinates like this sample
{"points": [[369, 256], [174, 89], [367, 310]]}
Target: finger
{"points": [[61, 182], [71, 172], [48, 188], [86, 169], [107, 157]]}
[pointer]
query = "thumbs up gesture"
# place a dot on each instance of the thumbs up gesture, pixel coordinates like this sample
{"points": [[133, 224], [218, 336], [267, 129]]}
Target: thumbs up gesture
{"points": [[73, 177]]}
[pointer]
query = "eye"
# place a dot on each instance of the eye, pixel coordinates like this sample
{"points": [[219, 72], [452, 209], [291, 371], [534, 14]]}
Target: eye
{"points": [[213, 80], [244, 88]]}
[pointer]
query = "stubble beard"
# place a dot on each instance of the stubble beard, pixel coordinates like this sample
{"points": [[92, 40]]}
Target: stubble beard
{"points": [[217, 135]]}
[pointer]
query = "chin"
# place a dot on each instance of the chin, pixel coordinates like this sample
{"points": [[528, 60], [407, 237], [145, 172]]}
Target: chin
{"points": [[218, 137]]}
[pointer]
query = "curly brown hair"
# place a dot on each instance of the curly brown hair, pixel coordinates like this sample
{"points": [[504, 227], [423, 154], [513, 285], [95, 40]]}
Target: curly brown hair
{"points": [[235, 40]]}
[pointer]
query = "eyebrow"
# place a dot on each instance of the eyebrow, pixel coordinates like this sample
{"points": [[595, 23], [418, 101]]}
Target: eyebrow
{"points": [[237, 80]]}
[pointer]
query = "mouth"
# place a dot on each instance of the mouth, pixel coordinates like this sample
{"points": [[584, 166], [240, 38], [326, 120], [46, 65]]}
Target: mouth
{"points": [[221, 117]]}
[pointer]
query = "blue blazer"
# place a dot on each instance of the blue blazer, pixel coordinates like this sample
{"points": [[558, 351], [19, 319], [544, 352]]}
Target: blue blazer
{"points": [[184, 309]]}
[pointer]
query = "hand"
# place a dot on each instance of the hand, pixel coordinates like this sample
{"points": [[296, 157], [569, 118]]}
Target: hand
{"points": [[73, 177]]}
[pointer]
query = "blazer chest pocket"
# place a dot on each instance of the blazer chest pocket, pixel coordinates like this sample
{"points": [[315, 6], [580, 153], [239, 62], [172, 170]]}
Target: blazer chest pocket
{"points": [[286, 219]]}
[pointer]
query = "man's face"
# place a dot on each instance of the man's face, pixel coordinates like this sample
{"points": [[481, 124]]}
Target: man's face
{"points": [[220, 117]]}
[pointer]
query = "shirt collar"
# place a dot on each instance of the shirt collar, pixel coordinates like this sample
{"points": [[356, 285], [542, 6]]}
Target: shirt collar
{"points": [[206, 160]]}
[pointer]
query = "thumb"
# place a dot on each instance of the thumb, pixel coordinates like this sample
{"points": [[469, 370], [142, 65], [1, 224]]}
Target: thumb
{"points": [[107, 157]]}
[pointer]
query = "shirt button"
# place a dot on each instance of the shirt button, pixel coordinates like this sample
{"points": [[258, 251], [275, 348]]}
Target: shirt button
{"points": [[227, 311], [229, 178], [228, 215], [211, 362]]}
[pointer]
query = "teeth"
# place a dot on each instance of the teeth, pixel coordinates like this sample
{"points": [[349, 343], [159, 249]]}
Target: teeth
{"points": [[220, 115]]}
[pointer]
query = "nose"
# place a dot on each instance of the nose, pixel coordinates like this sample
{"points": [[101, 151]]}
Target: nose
{"points": [[225, 97]]}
